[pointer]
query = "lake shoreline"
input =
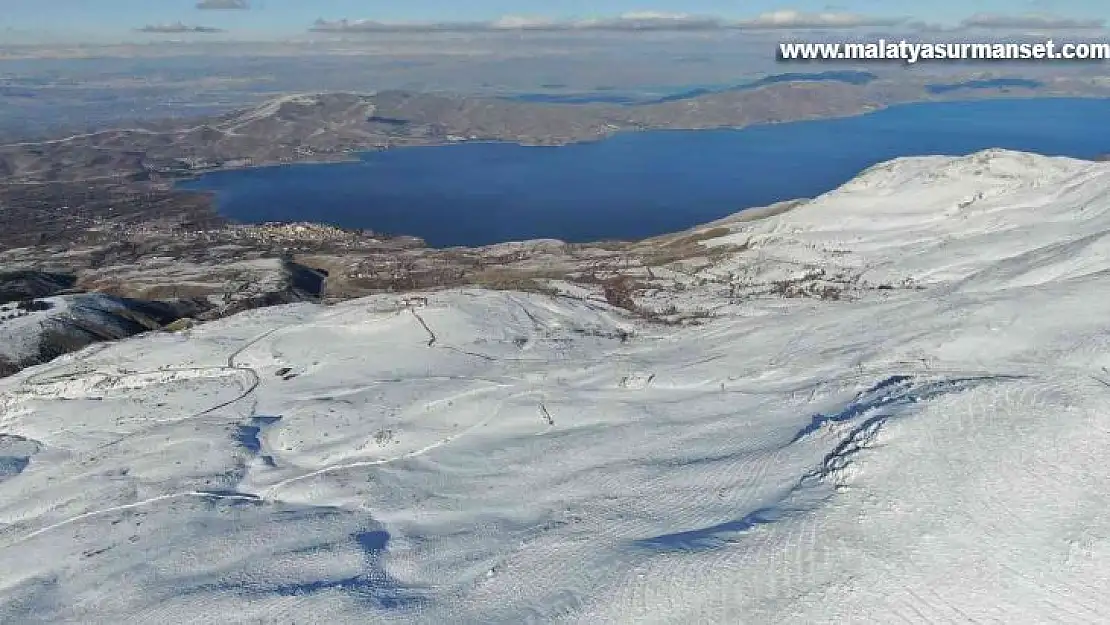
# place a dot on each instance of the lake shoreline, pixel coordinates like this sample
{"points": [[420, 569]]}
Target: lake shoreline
{"points": [[524, 195], [346, 157]]}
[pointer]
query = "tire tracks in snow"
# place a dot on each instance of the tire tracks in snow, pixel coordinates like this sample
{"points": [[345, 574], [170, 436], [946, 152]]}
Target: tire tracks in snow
{"points": [[268, 491], [131, 506]]}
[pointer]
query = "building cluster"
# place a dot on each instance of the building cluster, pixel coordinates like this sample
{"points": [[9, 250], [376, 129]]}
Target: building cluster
{"points": [[282, 233]]}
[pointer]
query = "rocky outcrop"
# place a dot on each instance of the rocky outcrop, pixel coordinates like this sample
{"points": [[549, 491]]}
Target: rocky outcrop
{"points": [[29, 284], [38, 333], [37, 326]]}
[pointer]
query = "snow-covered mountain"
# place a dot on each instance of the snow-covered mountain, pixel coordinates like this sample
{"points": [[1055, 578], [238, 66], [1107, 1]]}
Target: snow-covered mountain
{"points": [[34, 331], [927, 442]]}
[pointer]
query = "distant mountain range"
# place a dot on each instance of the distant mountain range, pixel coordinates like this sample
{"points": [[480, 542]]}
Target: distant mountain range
{"points": [[330, 126], [100, 199], [845, 76]]}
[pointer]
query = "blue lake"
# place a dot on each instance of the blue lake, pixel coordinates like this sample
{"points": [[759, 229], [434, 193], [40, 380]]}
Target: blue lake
{"points": [[636, 185]]}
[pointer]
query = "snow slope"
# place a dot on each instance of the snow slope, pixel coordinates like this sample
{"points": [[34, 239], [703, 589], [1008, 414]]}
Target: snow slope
{"points": [[70, 322], [936, 451]]}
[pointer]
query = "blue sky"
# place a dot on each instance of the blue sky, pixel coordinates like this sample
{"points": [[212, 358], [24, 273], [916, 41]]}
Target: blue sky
{"points": [[116, 18]]}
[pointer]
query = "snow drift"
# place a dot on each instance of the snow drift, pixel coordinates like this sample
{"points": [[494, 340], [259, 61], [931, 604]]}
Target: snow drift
{"points": [[937, 449]]}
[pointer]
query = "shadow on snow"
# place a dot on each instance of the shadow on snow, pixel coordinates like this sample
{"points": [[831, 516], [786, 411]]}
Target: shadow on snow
{"points": [[374, 586], [15, 454], [889, 398], [247, 435]]}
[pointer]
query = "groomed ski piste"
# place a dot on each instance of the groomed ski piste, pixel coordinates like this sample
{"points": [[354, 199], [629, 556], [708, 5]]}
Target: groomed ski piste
{"points": [[936, 451]]}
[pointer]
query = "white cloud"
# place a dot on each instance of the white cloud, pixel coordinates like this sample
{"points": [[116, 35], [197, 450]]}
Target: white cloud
{"points": [[372, 26], [634, 21], [177, 28], [652, 20], [787, 19], [521, 22], [223, 5]]}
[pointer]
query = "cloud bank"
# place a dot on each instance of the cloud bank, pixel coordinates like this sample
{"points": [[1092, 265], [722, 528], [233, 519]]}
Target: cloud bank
{"points": [[804, 21], [649, 21], [994, 21], [644, 21], [177, 28], [224, 5]]}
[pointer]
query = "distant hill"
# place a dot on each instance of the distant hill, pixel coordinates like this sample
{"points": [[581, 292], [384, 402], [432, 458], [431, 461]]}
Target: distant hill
{"points": [[329, 126], [37, 331], [22, 285], [37, 324]]}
